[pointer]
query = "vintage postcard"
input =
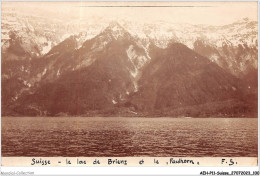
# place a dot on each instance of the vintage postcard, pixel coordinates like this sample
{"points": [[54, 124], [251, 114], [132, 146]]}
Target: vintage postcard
{"points": [[129, 84]]}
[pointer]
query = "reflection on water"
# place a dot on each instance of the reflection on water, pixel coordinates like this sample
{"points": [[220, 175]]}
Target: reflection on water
{"points": [[79, 136]]}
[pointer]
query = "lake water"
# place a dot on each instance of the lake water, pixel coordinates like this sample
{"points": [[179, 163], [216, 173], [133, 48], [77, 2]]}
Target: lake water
{"points": [[166, 137]]}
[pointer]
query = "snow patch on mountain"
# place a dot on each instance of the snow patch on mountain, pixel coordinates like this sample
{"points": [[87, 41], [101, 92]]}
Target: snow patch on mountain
{"points": [[44, 71], [100, 44], [47, 48], [135, 87], [138, 61], [114, 101], [58, 72], [214, 58]]}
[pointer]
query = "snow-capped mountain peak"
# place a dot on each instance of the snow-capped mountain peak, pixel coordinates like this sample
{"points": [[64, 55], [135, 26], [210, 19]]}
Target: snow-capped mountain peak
{"points": [[116, 30], [115, 26]]}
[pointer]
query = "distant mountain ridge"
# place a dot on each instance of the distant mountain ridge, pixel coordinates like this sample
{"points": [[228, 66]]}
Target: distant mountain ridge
{"points": [[120, 73], [233, 47]]}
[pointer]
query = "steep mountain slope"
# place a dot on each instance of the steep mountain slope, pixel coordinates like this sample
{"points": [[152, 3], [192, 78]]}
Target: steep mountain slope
{"points": [[25, 73], [180, 82], [95, 77]]}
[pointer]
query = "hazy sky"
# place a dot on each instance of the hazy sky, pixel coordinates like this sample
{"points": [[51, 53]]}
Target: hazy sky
{"points": [[211, 13]]}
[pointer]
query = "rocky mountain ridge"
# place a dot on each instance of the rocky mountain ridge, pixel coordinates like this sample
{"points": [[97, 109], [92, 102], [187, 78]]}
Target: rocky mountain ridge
{"points": [[120, 72]]}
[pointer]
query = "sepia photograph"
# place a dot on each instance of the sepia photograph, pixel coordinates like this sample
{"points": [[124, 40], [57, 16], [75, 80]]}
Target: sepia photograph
{"points": [[129, 79]]}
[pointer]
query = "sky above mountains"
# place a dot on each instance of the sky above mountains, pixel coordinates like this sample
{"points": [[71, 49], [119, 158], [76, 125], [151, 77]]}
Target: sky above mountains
{"points": [[208, 13]]}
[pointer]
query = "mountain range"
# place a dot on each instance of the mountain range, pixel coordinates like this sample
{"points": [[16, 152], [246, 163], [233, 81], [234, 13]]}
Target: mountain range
{"points": [[125, 68]]}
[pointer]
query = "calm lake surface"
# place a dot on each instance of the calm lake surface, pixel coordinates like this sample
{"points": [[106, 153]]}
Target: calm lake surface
{"points": [[166, 137]]}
